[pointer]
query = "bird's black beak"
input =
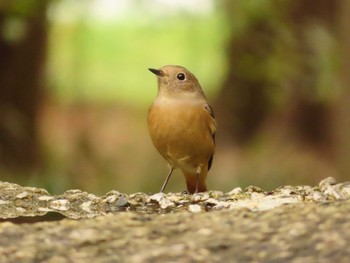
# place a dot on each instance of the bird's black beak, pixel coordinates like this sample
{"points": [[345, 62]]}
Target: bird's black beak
{"points": [[158, 72]]}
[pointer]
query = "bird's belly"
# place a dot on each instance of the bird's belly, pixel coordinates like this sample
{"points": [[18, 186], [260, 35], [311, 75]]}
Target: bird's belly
{"points": [[181, 136]]}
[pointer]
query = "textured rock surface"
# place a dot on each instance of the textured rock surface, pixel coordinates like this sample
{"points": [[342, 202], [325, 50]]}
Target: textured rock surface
{"points": [[290, 224]]}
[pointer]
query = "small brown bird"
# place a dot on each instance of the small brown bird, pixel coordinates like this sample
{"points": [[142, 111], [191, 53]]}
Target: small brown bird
{"points": [[182, 127]]}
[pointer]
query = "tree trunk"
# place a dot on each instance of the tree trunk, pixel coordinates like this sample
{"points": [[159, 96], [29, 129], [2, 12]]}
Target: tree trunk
{"points": [[245, 101], [342, 113], [22, 55], [309, 115]]}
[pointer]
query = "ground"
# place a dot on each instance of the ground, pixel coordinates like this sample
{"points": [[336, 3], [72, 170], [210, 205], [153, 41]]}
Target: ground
{"points": [[289, 224]]}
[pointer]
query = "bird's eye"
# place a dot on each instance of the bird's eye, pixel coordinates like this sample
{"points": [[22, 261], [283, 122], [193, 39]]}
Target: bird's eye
{"points": [[181, 76]]}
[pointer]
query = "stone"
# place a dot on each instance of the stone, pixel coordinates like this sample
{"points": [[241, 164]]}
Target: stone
{"points": [[288, 224]]}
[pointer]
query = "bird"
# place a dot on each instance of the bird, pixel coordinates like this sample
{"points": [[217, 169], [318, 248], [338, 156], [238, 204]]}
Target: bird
{"points": [[182, 126]]}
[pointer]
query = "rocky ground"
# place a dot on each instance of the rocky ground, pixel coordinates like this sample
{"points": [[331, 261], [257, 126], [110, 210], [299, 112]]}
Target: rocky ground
{"points": [[289, 224]]}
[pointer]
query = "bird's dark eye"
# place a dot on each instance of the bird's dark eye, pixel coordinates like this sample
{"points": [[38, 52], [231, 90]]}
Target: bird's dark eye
{"points": [[181, 76]]}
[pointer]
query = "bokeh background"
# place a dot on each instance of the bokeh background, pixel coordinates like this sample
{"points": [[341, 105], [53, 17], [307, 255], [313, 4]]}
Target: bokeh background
{"points": [[75, 90]]}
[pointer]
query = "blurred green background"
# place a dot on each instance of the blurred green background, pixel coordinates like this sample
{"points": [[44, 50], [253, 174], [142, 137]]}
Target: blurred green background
{"points": [[75, 90]]}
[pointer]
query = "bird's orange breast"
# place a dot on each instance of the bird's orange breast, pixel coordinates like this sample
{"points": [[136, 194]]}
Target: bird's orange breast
{"points": [[181, 132]]}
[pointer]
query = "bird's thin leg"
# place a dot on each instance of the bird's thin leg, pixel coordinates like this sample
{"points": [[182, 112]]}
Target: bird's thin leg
{"points": [[197, 178], [166, 180]]}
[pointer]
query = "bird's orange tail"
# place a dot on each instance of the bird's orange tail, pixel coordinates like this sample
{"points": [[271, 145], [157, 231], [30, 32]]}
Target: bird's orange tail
{"points": [[191, 182]]}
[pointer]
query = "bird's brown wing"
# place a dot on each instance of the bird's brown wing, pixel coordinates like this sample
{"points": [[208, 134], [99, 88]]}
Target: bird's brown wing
{"points": [[212, 127]]}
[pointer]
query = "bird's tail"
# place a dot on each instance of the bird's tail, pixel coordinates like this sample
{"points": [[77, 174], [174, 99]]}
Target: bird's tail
{"points": [[191, 181]]}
